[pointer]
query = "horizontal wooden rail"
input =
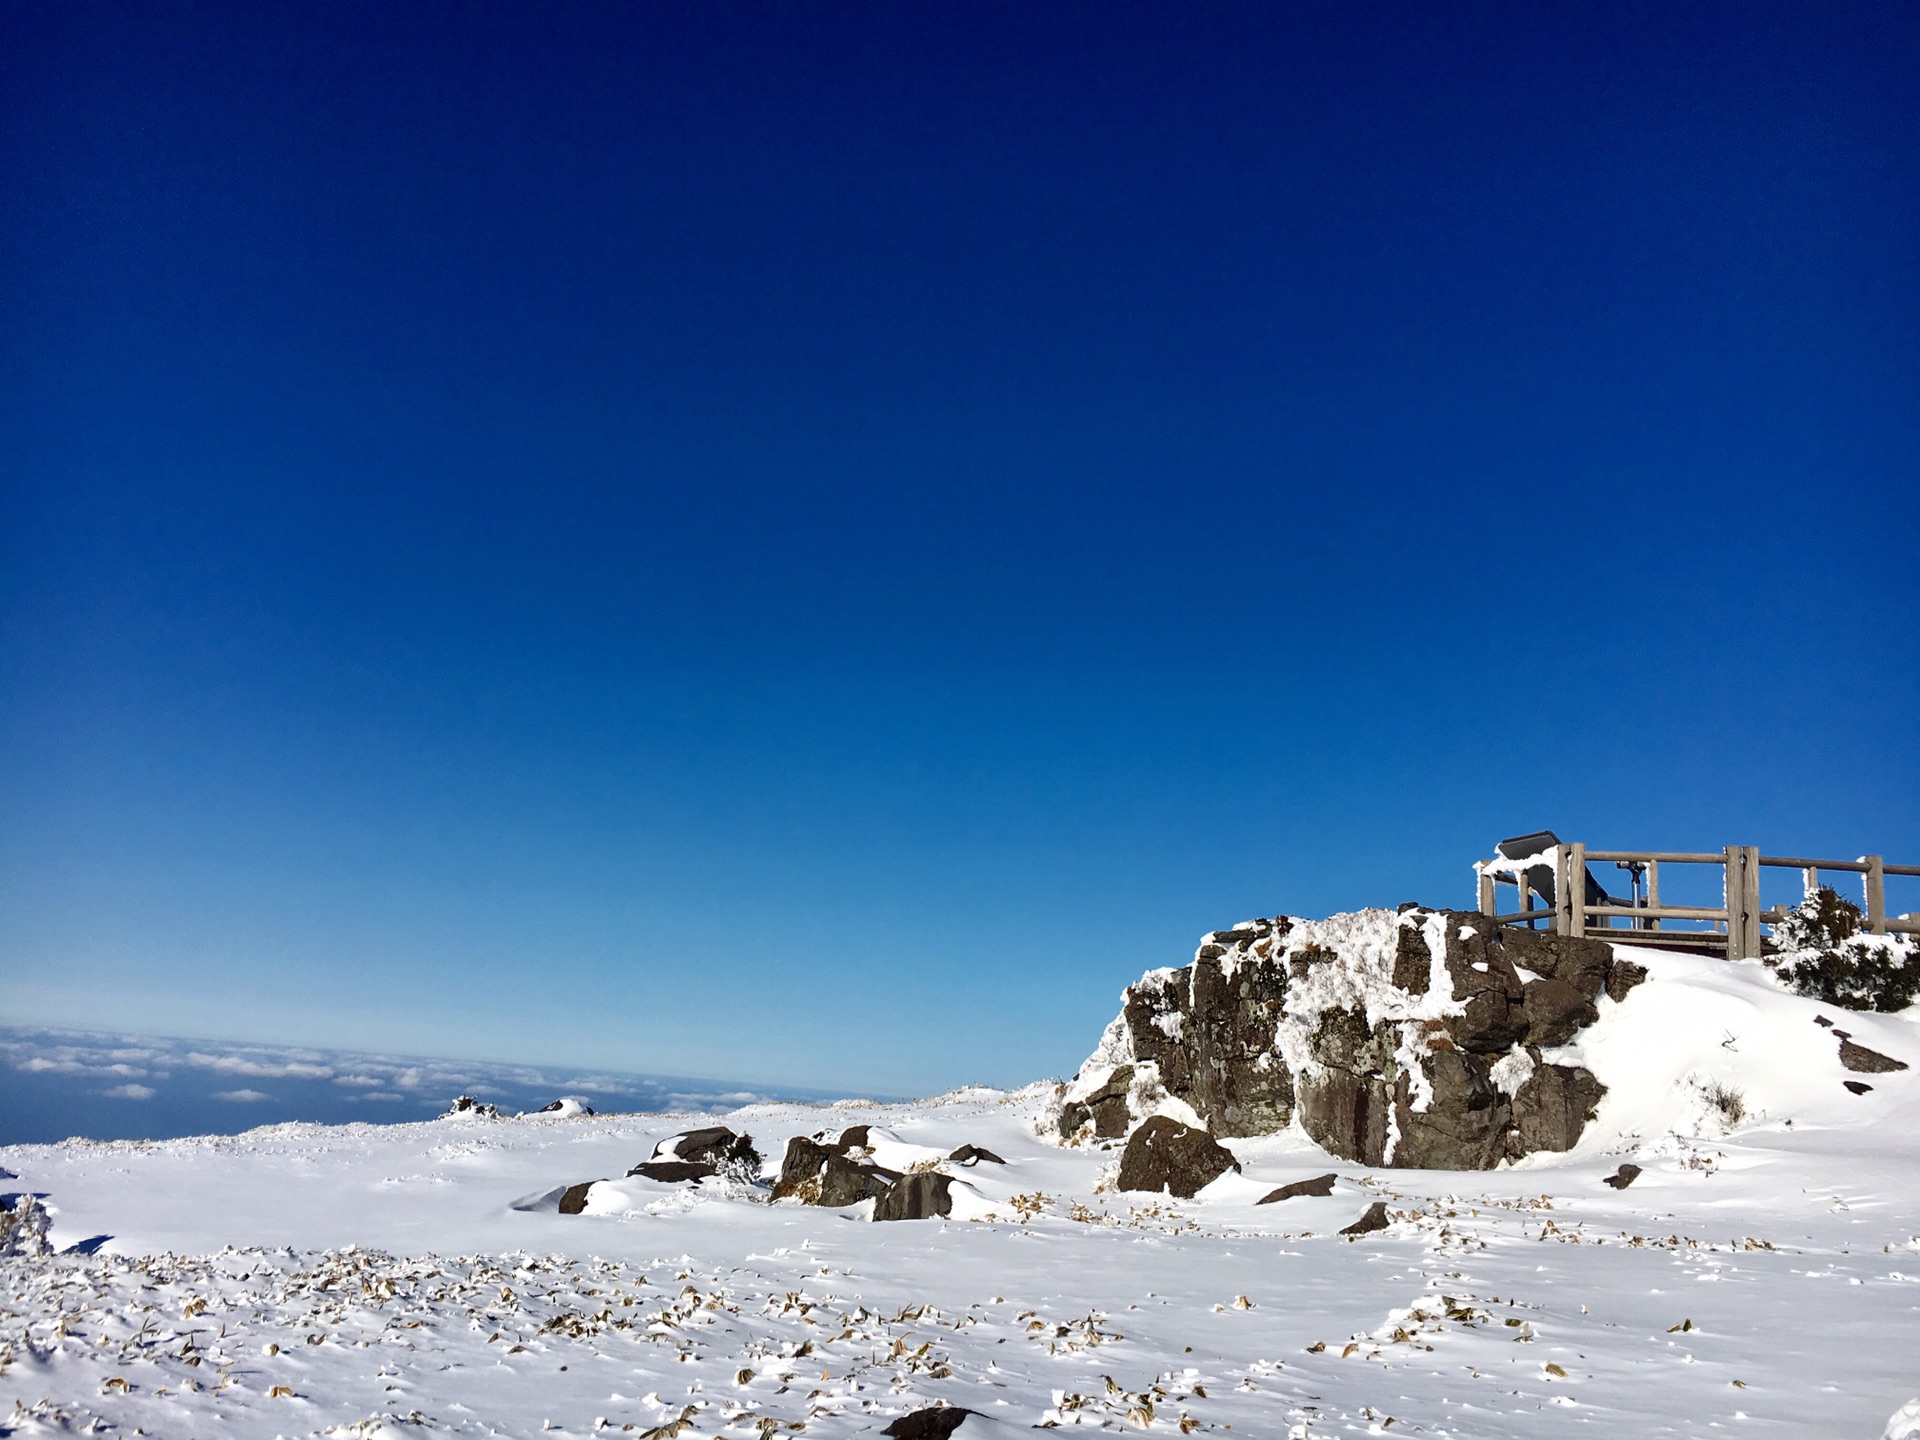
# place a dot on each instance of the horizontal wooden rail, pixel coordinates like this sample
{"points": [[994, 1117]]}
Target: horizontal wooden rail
{"points": [[1665, 857]]}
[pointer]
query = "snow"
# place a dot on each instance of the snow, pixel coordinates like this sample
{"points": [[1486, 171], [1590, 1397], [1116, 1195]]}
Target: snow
{"points": [[1761, 1275]]}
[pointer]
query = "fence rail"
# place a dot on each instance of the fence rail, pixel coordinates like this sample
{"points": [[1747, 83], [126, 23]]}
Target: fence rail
{"points": [[1736, 921]]}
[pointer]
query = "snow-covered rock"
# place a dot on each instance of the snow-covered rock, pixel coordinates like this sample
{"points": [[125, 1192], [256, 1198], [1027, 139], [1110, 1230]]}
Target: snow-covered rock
{"points": [[1402, 1038]]}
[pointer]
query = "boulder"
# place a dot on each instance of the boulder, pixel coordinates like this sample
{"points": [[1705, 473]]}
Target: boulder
{"points": [[1374, 1219], [715, 1145], [827, 1174], [1105, 1107], [467, 1105], [574, 1198], [1552, 1108], [1164, 1154], [1858, 1087], [1319, 1185], [924, 1195], [1860, 1059]]}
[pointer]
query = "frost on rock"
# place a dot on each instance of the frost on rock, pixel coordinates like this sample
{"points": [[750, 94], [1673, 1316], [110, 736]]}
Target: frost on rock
{"points": [[23, 1227], [1390, 1038]]}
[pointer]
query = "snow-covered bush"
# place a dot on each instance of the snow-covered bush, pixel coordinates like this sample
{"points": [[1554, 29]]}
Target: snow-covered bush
{"points": [[1823, 955]]}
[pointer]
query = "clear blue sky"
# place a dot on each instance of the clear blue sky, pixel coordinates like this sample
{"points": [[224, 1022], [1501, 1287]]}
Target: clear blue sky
{"points": [[811, 544]]}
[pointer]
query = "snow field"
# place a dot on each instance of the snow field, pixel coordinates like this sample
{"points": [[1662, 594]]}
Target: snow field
{"points": [[1762, 1276]]}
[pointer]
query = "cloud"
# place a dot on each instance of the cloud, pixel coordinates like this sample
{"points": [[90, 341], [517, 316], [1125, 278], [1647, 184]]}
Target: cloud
{"points": [[240, 1065], [131, 1092], [245, 1097], [370, 1081], [378, 1095]]}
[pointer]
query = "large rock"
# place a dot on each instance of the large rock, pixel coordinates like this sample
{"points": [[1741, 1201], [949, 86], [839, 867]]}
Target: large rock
{"points": [[1403, 1039], [1552, 1108], [714, 1145], [1164, 1154], [924, 1195], [826, 1174]]}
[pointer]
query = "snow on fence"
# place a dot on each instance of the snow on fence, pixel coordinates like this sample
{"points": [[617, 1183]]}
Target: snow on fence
{"points": [[1576, 904]]}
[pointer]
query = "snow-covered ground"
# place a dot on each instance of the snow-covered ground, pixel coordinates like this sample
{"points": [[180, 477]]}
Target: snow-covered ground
{"points": [[1762, 1276]]}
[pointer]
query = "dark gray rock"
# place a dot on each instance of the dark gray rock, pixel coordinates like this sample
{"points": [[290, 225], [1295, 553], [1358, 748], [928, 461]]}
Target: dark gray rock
{"points": [[1552, 1108], [715, 1145], [924, 1195], [1622, 1177], [1165, 1155], [574, 1198], [1622, 978], [973, 1155], [1585, 964], [1374, 1219], [801, 1166], [1318, 1185], [672, 1172], [1466, 1125], [855, 1135], [1858, 1087], [933, 1423], [846, 1181], [1557, 1011], [1106, 1108], [1861, 1060]]}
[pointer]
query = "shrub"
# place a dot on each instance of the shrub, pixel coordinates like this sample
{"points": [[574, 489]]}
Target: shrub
{"points": [[1824, 956]]}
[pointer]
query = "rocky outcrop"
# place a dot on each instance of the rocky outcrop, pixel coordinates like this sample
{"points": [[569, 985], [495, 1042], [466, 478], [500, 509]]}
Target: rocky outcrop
{"points": [[1415, 1038], [1165, 1155]]}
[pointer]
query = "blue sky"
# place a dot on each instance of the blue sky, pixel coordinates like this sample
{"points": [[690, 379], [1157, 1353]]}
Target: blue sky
{"points": [[809, 545]]}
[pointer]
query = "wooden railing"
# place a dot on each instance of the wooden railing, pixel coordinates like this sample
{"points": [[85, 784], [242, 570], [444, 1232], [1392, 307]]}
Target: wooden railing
{"points": [[1735, 923]]}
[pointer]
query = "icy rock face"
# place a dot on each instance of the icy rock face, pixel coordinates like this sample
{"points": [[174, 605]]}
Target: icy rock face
{"points": [[1412, 1038]]}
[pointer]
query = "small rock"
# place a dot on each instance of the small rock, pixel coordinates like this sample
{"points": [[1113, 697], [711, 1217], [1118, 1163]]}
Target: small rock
{"points": [[973, 1155], [1319, 1185], [926, 1195], [1622, 1177], [1858, 1087], [1822, 1020], [574, 1198], [1374, 1219], [1863, 1061], [1622, 977], [1163, 1154], [467, 1105], [566, 1107], [23, 1227], [933, 1423]]}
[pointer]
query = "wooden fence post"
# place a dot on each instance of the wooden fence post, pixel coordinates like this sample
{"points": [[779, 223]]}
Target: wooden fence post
{"points": [[1876, 894], [1575, 889], [1810, 881], [1487, 903], [1653, 894], [1743, 902]]}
